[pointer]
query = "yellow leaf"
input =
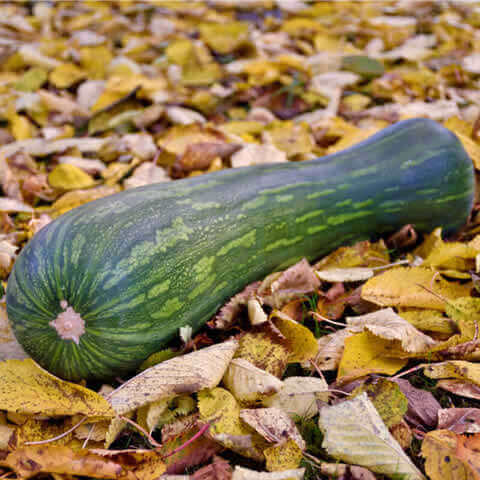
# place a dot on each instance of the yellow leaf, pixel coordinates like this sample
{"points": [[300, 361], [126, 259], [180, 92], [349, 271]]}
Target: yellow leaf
{"points": [[66, 75], [408, 287], [472, 148], [429, 320], [32, 80], [69, 177], [439, 448], [219, 407], [285, 456], [95, 61], [180, 52], [265, 350], [302, 342], [367, 353], [21, 127], [224, 37], [292, 138], [241, 127], [27, 388], [36, 430], [352, 139], [6, 433], [459, 369]]}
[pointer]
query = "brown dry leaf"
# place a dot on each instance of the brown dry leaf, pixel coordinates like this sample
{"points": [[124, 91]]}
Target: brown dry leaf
{"points": [[342, 470], [422, 405], [400, 287], [459, 420], [199, 156], [248, 383], [219, 469], [298, 396], [447, 458], [185, 374], [177, 434], [388, 325], [273, 424], [460, 387], [27, 388], [29, 461]]}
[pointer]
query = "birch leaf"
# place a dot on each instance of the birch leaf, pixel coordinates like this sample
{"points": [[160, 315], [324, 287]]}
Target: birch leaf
{"points": [[331, 348], [69, 177], [298, 396], [303, 344], [273, 424], [248, 383], [184, 374], [355, 433], [366, 353], [241, 473], [27, 388], [459, 369], [460, 387], [443, 462], [388, 325], [429, 320], [345, 274], [284, 456], [459, 420], [400, 287]]}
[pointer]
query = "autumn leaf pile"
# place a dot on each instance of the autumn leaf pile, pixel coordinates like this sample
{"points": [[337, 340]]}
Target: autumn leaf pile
{"points": [[363, 365]]}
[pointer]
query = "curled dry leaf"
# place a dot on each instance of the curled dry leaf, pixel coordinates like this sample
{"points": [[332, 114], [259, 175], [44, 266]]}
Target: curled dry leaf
{"points": [[241, 473], [341, 470], [256, 314], [185, 374], [345, 274], [248, 383], [330, 349], [298, 396], [456, 369], [27, 388], [460, 387], [388, 325], [273, 424], [354, 432], [459, 420], [200, 155]]}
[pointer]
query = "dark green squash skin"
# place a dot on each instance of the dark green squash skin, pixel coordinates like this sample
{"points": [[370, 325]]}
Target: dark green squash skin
{"points": [[140, 264]]}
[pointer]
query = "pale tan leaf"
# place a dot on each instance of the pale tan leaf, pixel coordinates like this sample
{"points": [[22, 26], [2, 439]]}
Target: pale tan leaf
{"points": [[184, 374], [256, 314], [330, 349], [184, 116], [248, 383], [298, 396], [387, 324], [5, 434], [12, 205], [345, 274], [355, 433], [460, 387], [146, 174], [253, 154], [459, 420], [241, 473], [341, 470], [273, 424]]}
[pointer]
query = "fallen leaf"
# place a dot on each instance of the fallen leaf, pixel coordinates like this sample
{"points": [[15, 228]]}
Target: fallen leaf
{"points": [[355, 433], [459, 420], [219, 408], [345, 274], [298, 396], [185, 374], [386, 324], [13, 205], [9, 346], [219, 469], [66, 176], [27, 388], [283, 456], [241, 473], [458, 369], [273, 424], [422, 405], [331, 348], [403, 287], [341, 470], [252, 154], [445, 459], [386, 396], [460, 387], [367, 353], [429, 320]]}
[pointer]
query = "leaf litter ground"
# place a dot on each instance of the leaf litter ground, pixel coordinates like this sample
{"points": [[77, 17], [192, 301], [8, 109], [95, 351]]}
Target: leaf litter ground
{"points": [[97, 97]]}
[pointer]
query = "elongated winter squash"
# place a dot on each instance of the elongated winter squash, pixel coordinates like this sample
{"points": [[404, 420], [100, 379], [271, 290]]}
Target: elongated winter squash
{"points": [[105, 285]]}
